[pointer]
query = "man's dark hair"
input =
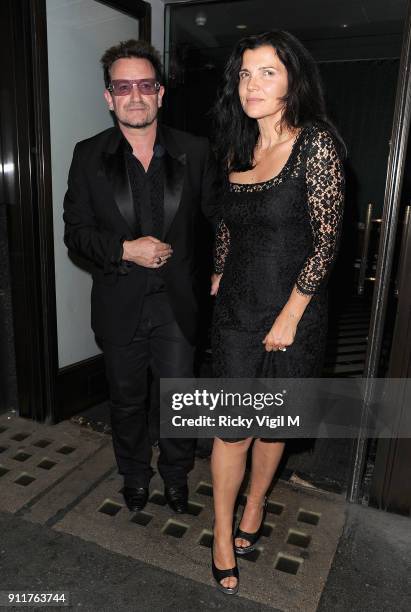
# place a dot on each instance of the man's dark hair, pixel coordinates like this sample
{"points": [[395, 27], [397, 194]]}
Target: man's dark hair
{"points": [[131, 48]]}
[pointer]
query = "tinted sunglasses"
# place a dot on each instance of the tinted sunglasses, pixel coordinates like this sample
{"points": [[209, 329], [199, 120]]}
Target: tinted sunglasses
{"points": [[123, 87]]}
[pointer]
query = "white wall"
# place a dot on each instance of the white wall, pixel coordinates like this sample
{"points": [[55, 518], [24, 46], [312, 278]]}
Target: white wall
{"points": [[78, 33], [157, 25]]}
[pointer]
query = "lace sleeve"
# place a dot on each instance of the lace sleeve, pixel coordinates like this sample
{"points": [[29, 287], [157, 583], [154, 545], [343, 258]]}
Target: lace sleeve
{"points": [[325, 194], [221, 246]]}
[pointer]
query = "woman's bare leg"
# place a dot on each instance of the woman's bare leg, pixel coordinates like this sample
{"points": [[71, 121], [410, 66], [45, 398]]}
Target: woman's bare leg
{"points": [[228, 461], [265, 460]]}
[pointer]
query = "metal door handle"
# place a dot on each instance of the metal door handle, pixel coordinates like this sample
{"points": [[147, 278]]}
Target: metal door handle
{"points": [[365, 246], [406, 221]]}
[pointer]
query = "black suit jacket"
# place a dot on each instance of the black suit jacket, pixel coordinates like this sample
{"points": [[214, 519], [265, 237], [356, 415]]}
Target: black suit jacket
{"points": [[99, 214]]}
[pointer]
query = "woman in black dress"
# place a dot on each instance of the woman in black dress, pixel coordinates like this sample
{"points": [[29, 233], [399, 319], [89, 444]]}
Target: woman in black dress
{"points": [[276, 242]]}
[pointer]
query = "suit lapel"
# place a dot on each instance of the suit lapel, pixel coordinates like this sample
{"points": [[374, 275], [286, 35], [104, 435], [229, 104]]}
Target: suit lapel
{"points": [[174, 171], [174, 168], [115, 168]]}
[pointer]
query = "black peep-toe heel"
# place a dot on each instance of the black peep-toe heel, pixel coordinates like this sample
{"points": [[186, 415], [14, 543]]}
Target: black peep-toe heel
{"points": [[220, 574], [250, 537]]}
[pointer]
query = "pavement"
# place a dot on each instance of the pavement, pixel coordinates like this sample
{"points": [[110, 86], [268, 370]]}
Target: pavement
{"points": [[64, 527]]}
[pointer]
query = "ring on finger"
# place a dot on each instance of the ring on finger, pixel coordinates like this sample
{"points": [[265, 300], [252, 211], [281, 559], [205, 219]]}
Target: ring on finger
{"points": [[282, 349]]}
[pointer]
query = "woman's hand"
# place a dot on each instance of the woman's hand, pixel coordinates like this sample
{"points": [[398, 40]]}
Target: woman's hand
{"points": [[215, 283], [284, 328], [282, 333]]}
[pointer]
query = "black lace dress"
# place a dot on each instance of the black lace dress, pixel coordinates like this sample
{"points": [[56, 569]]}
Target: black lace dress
{"points": [[272, 236]]}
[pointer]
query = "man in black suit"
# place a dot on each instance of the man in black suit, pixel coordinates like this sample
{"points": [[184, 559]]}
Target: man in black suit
{"points": [[131, 209]]}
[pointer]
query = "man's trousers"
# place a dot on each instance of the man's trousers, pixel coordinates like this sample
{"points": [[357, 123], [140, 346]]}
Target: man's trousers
{"points": [[160, 345]]}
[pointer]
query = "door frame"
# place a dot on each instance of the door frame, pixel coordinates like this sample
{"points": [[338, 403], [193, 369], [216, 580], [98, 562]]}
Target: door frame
{"points": [[388, 236], [45, 391]]}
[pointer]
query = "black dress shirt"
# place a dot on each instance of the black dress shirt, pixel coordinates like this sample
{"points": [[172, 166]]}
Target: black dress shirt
{"points": [[148, 199]]}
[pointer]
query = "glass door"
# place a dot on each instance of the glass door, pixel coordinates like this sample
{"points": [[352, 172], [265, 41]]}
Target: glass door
{"points": [[358, 47]]}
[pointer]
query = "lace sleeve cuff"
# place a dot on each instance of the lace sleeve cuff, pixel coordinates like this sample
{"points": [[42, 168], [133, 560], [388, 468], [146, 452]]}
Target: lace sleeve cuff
{"points": [[304, 290]]}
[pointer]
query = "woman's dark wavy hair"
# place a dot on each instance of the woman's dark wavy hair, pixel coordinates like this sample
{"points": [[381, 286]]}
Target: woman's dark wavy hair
{"points": [[236, 134]]}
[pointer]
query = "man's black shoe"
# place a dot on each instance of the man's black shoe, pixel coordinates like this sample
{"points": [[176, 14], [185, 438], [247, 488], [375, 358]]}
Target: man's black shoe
{"points": [[135, 497], [177, 498]]}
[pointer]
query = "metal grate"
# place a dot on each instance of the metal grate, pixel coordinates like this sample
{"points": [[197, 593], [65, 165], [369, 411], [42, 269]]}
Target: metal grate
{"points": [[287, 570], [298, 541]]}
